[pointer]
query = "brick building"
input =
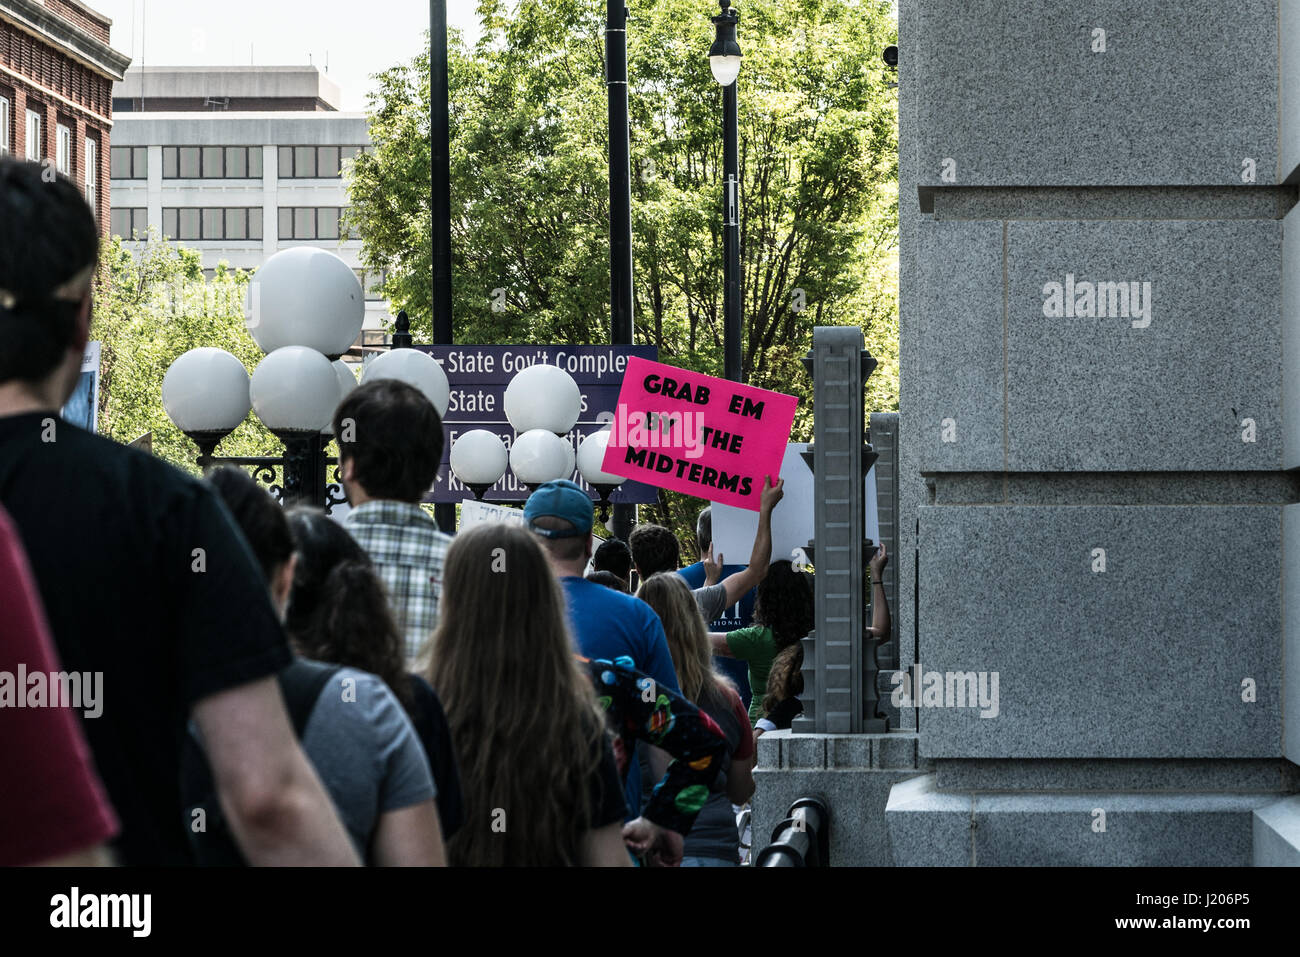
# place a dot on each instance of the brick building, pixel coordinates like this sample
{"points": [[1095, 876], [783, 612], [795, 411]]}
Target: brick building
{"points": [[57, 72]]}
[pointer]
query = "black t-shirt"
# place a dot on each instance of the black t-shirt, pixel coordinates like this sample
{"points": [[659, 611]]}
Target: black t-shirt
{"points": [[608, 803], [145, 579], [431, 725]]}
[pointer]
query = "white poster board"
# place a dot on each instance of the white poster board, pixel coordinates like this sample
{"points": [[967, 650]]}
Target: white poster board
{"points": [[82, 408], [792, 519], [479, 513]]}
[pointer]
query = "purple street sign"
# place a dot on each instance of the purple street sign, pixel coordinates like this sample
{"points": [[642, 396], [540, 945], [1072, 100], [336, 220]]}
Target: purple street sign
{"points": [[478, 376]]}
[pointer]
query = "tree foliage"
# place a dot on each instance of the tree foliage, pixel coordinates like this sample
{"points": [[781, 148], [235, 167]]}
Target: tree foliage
{"points": [[151, 306]]}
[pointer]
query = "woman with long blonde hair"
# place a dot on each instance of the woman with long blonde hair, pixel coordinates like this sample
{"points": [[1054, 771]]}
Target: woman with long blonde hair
{"points": [[538, 775], [714, 840]]}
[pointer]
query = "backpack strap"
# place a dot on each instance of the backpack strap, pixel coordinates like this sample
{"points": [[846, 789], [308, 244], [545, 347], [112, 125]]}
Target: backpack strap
{"points": [[301, 684]]}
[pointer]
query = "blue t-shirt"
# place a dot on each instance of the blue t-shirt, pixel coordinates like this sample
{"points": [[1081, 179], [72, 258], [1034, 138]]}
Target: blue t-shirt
{"points": [[608, 624], [739, 615]]}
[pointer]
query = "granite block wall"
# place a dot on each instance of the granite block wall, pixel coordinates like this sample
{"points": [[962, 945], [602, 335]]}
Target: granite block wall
{"points": [[1100, 425]]}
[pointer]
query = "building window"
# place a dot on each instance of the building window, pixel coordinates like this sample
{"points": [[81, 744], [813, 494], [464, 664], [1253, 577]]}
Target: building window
{"points": [[315, 162], [372, 283], [129, 223], [34, 126], [211, 223], [212, 162], [129, 162], [92, 174], [63, 149], [6, 118], [307, 222], [327, 162]]}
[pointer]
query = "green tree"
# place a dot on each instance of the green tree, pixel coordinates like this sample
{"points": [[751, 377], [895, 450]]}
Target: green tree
{"points": [[151, 307], [530, 235]]}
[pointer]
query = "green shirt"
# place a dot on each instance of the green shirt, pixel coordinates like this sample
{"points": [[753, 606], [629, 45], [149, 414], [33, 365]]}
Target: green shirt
{"points": [[756, 645]]}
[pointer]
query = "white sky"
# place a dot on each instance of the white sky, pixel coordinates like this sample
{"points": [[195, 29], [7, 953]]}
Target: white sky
{"points": [[361, 38]]}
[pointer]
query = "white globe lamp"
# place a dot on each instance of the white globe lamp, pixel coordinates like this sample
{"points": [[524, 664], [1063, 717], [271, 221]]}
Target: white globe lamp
{"points": [[205, 392], [294, 390], [347, 382], [479, 459], [415, 368], [540, 456], [305, 297], [543, 397]]}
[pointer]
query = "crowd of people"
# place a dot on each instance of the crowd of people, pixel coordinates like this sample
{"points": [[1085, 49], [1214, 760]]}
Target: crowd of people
{"points": [[277, 687]]}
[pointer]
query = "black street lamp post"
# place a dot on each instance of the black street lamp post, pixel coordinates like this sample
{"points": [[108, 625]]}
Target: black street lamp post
{"points": [[440, 206], [620, 203], [724, 60]]}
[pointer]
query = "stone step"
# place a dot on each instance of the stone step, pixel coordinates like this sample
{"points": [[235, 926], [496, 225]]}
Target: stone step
{"points": [[932, 828]]}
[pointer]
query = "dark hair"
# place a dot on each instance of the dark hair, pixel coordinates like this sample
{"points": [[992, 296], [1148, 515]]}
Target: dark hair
{"points": [[338, 609], [704, 529], [654, 550], [608, 579], [258, 516], [785, 680], [784, 603], [47, 236], [614, 556], [394, 435]]}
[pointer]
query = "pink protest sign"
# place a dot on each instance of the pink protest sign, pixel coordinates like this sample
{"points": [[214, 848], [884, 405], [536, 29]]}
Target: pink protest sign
{"points": [[688, 432]]}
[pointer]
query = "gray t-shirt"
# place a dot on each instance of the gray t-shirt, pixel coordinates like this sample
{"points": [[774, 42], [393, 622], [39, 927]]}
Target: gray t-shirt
{"points": [[712, 600], [366, 752]]}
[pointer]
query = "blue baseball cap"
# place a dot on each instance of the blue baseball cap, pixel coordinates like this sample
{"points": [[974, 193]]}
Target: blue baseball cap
{"points": [[560, 499]]}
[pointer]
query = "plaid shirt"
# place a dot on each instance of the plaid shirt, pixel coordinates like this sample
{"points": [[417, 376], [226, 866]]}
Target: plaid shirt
{"points": [[408, 550]]}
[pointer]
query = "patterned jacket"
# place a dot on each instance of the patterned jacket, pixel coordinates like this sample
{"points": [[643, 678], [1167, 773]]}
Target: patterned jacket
{"points": [[637, 709]]}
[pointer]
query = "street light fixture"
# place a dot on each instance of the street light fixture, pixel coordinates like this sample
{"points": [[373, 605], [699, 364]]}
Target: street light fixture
{"points": [[543, 404], [305, 297], [415, 368], [543, 397], [591, 460], [479, 459], [305, 308], [205, 392], [724, 55], [539, 456], [294, 389], [724, 60], [347, 382]]}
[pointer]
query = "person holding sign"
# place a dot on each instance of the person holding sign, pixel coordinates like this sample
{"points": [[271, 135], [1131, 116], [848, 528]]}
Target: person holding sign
{"points": [[783, 615], [655, 550]]}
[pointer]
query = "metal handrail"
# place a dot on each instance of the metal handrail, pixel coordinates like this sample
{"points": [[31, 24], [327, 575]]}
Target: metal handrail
{"points": [[802, 839]]}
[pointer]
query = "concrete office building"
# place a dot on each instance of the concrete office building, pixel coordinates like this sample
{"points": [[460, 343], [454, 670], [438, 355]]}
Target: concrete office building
{"points": [[238, 163], [57, 70]]}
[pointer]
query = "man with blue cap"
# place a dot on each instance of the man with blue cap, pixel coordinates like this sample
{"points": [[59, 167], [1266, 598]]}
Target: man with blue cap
{"points": [[606, 624]]}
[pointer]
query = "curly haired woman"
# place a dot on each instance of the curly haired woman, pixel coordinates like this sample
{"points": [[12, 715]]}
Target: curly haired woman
{"points": [[783, 615]]}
